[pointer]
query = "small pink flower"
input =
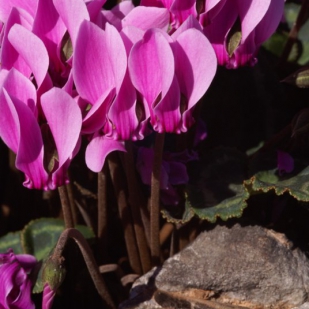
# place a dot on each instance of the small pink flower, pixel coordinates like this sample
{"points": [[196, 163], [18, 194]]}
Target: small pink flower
{"points": [[15, 286]]}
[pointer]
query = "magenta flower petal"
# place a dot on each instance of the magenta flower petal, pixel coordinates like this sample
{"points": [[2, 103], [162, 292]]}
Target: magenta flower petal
{"points": [[182, 10], [49, 27], [147, 17], [26, 261], [65, 129], [122, 113], [116, 14], [130, 35], [48, 297], [167, 112], [20, 131], [151, 66], [6, 6], [15, 286], [212, 8], [270, 21], [210, 4], [72, 12], [94, 8], [9, 56], [190, 22], [99, 62], [251, 13], [98, 149], [155, 3], [32, 50], [96, 117], [195, 68], [20, 87]]}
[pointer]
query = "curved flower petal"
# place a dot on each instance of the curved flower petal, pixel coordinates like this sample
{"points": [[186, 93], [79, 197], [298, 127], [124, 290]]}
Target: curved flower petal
{"points": [[48, 297], [33, 51], [26, 261], [17, 294], [151, 66], [251, 13], [190, 22], [116, 14], [122, 113], [96, 117], [99, 62], [156, 3], [147, 17], [195, 67], [20, 87], [98, 149], [130, 35], [9, 56], [94, 8], [65, 129], [6, 6], [212, 8], [72, 12], [167, 112], [15, 286], [49, 27], [20, 131], [182, 10], [270, 21]]}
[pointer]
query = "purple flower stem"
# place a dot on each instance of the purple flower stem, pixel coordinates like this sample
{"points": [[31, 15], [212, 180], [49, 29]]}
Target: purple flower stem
{"points": [[89, 260], [102, 210], [137, 203], [155, 200], [124, 212], [301, 19], [66, 207]]}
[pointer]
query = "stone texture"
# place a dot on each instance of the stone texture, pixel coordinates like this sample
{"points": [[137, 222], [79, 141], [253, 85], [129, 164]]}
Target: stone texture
{"points": [[249, 267]]}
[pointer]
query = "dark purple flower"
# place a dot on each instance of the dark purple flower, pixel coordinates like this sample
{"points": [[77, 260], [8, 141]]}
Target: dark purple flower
{"points": [[173, 172], [285, 162]]}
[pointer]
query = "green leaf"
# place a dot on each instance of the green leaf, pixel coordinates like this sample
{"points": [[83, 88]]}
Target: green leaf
{"points": [[229, 208], [297, 186], [40, 236], [181, 217], [13, 241]]}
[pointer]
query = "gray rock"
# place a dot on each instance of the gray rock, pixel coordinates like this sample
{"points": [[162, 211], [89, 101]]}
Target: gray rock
{"points": [[238, 267]]}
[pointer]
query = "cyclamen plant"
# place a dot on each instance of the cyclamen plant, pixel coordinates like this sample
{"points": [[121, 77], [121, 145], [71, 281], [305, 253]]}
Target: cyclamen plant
{"points": [[132, 73]]}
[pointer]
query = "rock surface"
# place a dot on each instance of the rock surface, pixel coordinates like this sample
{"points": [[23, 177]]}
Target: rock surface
{"points": [[238, 267]]}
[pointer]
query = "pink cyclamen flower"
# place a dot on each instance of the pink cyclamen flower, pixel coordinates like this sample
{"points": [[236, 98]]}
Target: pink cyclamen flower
{"points": [[15, 286], [237, 28], [43, 149], [172, 74], [101, 79]]}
